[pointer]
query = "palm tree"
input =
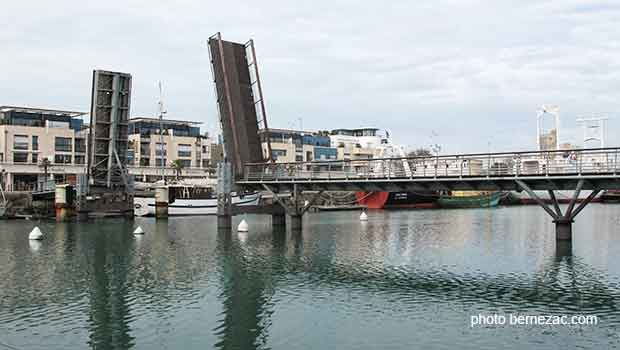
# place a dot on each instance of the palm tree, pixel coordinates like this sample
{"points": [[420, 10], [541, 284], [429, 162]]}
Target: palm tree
{"points": [[178, 166]]}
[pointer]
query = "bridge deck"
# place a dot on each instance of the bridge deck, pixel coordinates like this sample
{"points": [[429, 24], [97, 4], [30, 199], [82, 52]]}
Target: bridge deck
{"points": [[548, 170]]}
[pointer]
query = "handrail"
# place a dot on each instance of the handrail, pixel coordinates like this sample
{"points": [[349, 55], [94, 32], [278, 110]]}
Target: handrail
{"points": [[545, 163], [450, 156]]}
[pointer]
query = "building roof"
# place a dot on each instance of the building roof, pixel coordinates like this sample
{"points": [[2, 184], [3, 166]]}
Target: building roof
{"points": [[356, 129], [167, 121], [72, 114], [291, 131]]}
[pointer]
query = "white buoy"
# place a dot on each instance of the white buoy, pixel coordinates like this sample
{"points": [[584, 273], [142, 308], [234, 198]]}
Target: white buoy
{"points": [[138, 231], [363, 216], [243, 226], [35, 234]]}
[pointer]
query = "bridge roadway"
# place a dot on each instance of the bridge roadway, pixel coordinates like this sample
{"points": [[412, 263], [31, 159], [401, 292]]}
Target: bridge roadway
{"points": [[578, 169]]}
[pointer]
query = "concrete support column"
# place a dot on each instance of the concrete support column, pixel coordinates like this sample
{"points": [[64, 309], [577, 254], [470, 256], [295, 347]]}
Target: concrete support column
{"points": [[224, 197], [563, 229], [224, 222], [63, 210], [161, 202], [295, 222], [278, 220]]}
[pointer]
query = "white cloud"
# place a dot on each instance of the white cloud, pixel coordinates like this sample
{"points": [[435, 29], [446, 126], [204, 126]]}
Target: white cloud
{"points": [[473, 71]]}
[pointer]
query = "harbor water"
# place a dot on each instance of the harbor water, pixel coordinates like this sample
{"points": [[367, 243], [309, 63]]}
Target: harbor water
{"points": [[401, 280]]}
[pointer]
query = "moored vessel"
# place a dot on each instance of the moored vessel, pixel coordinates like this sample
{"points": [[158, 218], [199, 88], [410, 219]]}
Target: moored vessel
{"points": [[470, 199]]}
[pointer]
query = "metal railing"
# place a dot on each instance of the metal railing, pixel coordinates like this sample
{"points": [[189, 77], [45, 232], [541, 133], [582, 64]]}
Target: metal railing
{"points": [[575, 162]]}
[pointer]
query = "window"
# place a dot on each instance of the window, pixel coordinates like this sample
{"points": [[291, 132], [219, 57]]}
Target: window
{"points": [[185, 150], [35, 158], [35, 143], [158, 150], [20, 142], [80, 159], [187, 163], [62, 158], [131, 155], [299, 158], [158, 162], [276, 153], [204, 149], [20, 157], [145, 162], [80, 145], [63, 144]]}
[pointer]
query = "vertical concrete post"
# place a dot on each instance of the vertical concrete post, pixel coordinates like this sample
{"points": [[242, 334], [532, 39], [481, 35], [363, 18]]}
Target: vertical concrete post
{"points": [[563, 229], [224, 197], [161, 202], [60, 203]]}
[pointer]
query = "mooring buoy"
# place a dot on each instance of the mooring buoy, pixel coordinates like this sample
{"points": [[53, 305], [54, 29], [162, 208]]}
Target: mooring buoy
{"points": [[243, 226], [35, 234]]}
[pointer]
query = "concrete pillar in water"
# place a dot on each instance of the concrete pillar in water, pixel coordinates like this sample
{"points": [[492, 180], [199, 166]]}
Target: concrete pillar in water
{"points": [[224, 197], [563, 229], [61, 204], [161, 202], [278, 220], [224, 222], [296, 222]]}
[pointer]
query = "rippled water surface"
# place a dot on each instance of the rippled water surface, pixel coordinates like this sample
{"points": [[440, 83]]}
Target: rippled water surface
{"points": [[402, 280]]}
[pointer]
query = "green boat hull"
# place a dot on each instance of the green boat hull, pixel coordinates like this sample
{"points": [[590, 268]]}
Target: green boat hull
{"points": [[482, 201]]}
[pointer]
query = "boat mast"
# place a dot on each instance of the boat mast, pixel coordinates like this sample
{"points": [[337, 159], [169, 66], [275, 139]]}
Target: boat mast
{"points": [[161, 133]]}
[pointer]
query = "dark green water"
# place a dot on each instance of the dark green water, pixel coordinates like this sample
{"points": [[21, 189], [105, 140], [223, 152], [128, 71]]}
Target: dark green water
{"points": [[403, 280]]}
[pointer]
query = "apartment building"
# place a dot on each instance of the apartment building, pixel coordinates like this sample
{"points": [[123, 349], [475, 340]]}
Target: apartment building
{"points": [[29, 135], [296, 145], [353, 144], [180, 140]]}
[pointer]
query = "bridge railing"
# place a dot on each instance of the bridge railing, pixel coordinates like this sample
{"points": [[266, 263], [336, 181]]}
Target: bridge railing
{"points": [[546, 163]]}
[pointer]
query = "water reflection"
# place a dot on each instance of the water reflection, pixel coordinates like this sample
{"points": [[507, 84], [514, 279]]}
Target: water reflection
{"points": [[108, 261], [183, 282]]}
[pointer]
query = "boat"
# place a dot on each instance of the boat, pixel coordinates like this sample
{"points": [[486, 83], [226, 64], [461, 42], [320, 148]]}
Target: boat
{"points": [[470, 199], [191, 206], [395, 200], [610, 196]]}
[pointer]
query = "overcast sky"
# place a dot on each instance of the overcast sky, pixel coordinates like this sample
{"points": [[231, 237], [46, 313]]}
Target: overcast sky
{"points": [[473, 72]]}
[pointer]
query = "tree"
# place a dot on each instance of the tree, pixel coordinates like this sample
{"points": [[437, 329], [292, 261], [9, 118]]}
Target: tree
{"points": [[420, 152], [178, 166]]}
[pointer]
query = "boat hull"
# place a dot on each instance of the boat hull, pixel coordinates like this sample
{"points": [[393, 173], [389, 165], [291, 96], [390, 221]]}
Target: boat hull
{"points": [[393, 200], [145, 206], [478, 201]]}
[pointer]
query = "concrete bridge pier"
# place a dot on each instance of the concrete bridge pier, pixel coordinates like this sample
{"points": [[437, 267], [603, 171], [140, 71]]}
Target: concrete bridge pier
{"points": [[62, 203], [224, 197], [162, 196], [293, 207]]}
